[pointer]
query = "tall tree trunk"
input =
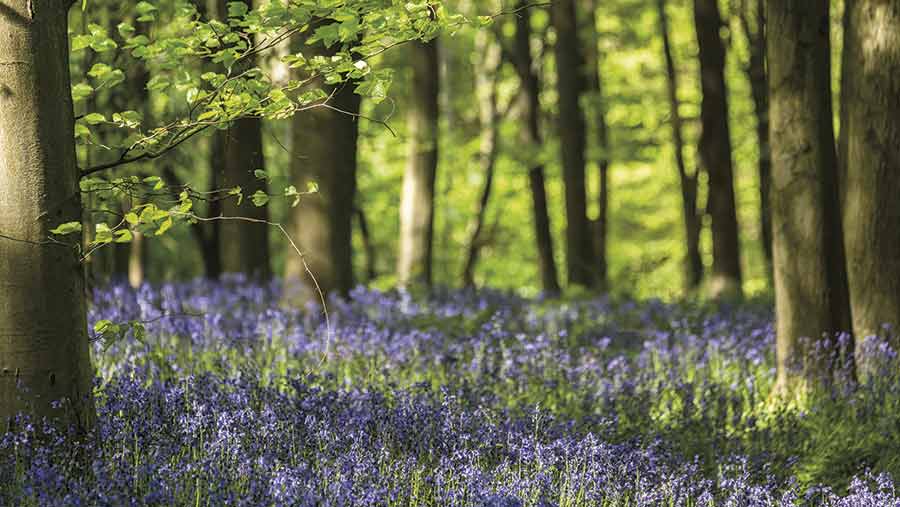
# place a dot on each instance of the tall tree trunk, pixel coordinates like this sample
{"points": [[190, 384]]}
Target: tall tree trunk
{"points": [[530, 134], [580, 260], [693, 268], [872, 197], [325, 153], [755, 32], [44, 353], [244, 245], [595, 87], [715, 151], [810, 282], [414, 263], [486, 76]]}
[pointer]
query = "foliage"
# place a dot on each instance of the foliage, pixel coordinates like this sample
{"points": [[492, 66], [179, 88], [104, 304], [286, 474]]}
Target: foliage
{"points": [[207, 71]]}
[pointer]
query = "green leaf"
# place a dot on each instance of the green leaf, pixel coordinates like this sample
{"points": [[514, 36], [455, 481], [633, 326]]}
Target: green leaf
{"points": [[125, 29], [81, 91], [164, 226], [237, 9], [291, 191], [123, 236], [260, 174], [259, 198], [66, 228], [103, 326], [132, 218], [80, 42], [238, 192], [312, 187], [145, 11], [156, 181], [94, 118]]}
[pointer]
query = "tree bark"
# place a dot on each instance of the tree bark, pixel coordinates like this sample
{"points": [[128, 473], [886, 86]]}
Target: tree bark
{"points": [[530, 136], [756, 74], [871, 215], [244, 245], [810, 282], [414, 263], [693, 223], [580, 260], [325, 153], [44, 353], [208, 233], [486, 76], [595, 87], [715, 151]]}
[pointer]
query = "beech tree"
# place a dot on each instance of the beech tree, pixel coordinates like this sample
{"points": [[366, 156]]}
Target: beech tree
{"points": [[871, 179], [244, 246], [693, 222], [324, 154], [810, 281], [44, 353], [753, 23], [570, 86], [530, 134], [487, 72], [595, 89], [715, 151], [414, 262]]}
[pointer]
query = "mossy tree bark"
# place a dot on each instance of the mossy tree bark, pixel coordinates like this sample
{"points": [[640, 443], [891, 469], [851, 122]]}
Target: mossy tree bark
{"points": [[530, 135], [44, 353], [810, 281], [871, 211], [715, 151], [570, 84], [414, 262]]}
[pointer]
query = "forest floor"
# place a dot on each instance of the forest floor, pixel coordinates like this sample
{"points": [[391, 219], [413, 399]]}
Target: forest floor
{"points": [[225, 395]]}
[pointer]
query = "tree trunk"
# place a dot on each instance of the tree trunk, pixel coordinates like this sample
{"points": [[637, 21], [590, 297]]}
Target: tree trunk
{"points": [[324, 153], [756, 74], [595, 87], [715, 151], [208, 233], [486, 76], [414, 263], [872, 207], [368, 246], [692, 220], [530, 135], [580, 261], [244, 245], [43, 329], [810, 283]]}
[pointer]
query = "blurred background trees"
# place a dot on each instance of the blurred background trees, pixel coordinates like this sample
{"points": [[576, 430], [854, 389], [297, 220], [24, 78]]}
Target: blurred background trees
{"points": [[588, 169]]}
